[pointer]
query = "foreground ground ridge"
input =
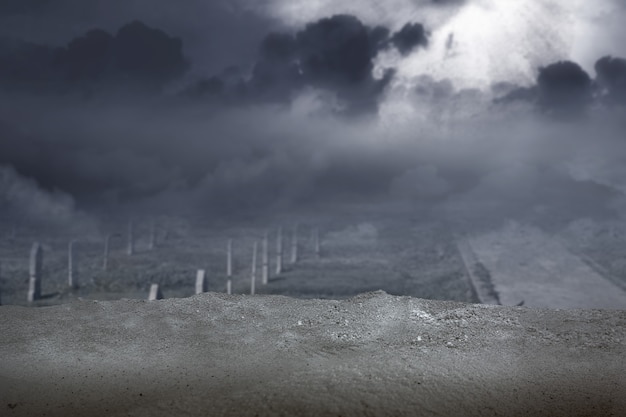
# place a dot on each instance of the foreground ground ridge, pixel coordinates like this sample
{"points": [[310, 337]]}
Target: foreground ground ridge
{"points": [[374, 354]]}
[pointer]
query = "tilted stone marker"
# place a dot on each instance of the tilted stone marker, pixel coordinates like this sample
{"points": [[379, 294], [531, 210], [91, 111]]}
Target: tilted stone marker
{"points": [[279, 251], [155, 293], [294, 245], [229, 267], [266, 259], [201, 282], [253, 270], [35, 269]]}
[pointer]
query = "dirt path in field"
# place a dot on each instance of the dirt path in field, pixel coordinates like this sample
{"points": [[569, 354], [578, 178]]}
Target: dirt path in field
{"points": [[527, 264]]}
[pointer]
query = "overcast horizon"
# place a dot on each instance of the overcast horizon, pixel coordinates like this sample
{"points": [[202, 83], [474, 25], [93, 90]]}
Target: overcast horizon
{"points": [[474, 108]]}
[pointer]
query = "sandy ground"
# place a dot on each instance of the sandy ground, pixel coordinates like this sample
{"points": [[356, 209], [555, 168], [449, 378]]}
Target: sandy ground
{"points": [[372, 355], [527, 264]]}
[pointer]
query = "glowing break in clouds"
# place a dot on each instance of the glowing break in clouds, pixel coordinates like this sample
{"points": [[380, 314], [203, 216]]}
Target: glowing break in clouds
{"points": [[475, 43]]}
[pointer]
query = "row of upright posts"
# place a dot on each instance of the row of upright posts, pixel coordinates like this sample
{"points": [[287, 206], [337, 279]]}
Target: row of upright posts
{"points": [[265, 265], [36, 261]]}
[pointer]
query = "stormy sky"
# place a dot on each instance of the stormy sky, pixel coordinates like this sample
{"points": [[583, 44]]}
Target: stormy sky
{"points": [[475, 107]]}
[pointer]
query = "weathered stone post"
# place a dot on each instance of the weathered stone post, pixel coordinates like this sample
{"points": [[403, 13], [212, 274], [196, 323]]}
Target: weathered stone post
{"points": [[155, 293], [130, 250], [70, 264], [294, 245], [279, 251], [201, 283], [266, 259], [253, 272], [316, 242], [229, 267], [35, 269]]}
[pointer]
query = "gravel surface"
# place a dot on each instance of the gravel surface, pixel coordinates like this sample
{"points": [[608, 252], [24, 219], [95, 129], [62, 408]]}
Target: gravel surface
{"points": [[374, 354]]}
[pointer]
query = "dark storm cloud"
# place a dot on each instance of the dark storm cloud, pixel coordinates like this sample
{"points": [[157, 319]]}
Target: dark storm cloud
{"points": [[202, 155], [612, 78], [136, 57], [336, 50], [409, 37], [276, 73], [185, 157], [18, 7], [147, 54], [88, 57], [25, 65], [564, 87], [208, 29], [335, 54]]}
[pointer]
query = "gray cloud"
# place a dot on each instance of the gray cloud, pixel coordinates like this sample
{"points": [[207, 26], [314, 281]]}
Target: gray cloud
{"points": [[335, 54], [433, 145], [207, 28], [23, 201], [24, 7], [612, 79], [564, 89], [410, 37], [136, 57]]}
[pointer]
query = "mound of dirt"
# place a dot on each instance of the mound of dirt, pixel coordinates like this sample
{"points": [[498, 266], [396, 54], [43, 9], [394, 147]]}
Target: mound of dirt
{"points": [[374, 354]]}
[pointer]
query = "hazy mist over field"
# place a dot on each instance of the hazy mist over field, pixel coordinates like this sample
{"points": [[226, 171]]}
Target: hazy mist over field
{"points": [[477, 109], [312, 207]]}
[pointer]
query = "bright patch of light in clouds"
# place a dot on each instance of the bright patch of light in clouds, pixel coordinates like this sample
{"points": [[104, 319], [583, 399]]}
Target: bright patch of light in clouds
{"points": [[492, 40]]}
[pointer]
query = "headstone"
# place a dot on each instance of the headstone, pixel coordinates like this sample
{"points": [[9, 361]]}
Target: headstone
{"points": [[70, 264], [316, 242], [229, 258], [294, 245], [201, 282], [229, 267], [155, 293], [253, 271], [265, 266], [35, 269], [279, 251], [130, 250]]}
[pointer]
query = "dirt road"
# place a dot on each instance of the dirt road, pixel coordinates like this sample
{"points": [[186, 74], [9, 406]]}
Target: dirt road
{"points": [[530, 265]]}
